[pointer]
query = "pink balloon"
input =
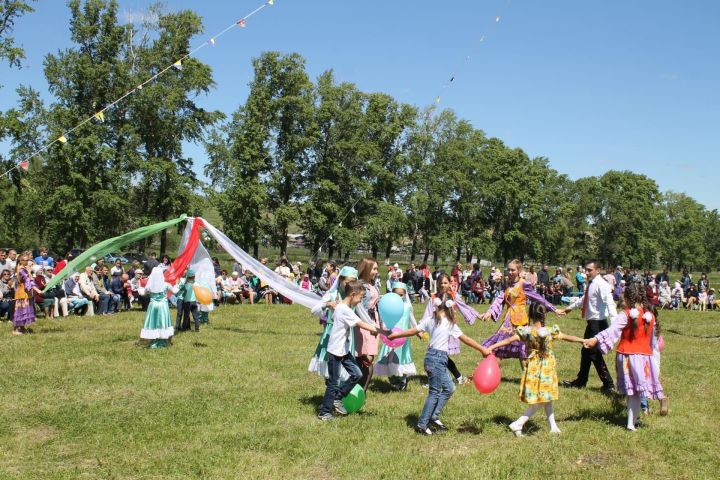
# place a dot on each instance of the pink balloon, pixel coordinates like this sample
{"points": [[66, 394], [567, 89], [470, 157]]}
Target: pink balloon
{"points": [[487, 375], [393, 343], [661, 343]]}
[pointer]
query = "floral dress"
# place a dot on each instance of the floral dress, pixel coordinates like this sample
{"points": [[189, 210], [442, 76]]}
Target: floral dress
{"points": [[539, 383]]}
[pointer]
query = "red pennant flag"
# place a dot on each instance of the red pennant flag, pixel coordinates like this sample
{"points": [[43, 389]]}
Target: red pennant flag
{"points": [[241, 22], [24, 164]]}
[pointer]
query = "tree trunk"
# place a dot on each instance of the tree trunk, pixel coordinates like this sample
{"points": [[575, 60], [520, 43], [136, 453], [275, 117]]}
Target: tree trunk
{"points": [[163, 242], [256, 249], [388, 251], [458, 253], [413, 247], [339, 254], [331, 250], [347, 256], [374, 250], [435, 259], [426, 255]]}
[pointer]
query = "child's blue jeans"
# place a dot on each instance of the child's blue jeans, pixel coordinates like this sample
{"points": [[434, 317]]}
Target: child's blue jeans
{"points": [[440, 384], [334, 390]]}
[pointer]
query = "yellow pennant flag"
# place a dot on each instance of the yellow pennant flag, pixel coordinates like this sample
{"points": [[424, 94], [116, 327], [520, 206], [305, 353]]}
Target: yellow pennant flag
{"points": [[178, 64], [271, 2], [99, 116], [62, 139]]}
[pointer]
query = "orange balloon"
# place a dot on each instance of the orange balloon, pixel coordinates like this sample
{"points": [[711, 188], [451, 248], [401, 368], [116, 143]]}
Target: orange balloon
{"points": [[203, 295]]}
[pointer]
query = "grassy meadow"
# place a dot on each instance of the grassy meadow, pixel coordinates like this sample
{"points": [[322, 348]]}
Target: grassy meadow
{"points": [[83, 399]]}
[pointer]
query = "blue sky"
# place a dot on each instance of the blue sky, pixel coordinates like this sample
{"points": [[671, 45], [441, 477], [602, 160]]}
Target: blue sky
{"points": [[592, 86]]}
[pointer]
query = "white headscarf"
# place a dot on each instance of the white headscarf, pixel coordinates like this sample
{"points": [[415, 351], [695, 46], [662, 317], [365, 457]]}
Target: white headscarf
{"points": [[156, 281]]}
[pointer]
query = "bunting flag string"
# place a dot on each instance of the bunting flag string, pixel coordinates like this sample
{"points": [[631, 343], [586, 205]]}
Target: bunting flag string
{"points": [[456, 73], [100, 115]]}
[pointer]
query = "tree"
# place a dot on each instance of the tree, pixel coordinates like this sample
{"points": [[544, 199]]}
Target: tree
{"points": [[289, 94], [331, 199], [167, 114], [385, 127], [682, 238], [626, 222], [10, 11]]}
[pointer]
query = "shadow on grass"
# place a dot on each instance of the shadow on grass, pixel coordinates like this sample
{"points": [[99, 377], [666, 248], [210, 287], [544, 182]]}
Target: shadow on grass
{"points": [[411, 420], [265, 332], [706, 337], [510, 380], [614, 413], [199, 345], [314, 400]]}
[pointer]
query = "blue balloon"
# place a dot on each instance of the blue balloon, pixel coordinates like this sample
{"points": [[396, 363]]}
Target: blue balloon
{"points": [[391, 308]]}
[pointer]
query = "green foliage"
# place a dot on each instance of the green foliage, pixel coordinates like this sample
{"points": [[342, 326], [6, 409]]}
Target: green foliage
{"points": [[10, 11]]}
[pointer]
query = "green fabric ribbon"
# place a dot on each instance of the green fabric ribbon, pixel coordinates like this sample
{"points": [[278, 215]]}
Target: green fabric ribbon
{"points": [[110, 245]]}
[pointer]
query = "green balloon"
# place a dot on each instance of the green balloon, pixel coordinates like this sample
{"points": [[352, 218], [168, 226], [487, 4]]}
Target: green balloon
{"points": [[354, 400]]}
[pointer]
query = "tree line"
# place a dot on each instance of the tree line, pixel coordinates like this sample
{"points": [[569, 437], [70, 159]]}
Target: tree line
{"points": [[348, 169]]}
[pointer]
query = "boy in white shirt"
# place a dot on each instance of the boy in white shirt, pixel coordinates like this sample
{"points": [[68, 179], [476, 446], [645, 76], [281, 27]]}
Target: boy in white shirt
{"points": [[344, 319]]}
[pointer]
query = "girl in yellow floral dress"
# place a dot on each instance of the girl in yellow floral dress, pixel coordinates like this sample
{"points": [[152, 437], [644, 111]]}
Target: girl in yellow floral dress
{"points": [[539, 384]]}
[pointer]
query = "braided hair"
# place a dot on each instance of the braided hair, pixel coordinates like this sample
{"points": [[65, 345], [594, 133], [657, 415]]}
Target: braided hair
{"points": [[635, 295], [537, 314]]}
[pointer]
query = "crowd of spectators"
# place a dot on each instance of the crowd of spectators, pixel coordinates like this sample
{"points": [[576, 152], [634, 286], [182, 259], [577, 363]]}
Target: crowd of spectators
{"points": [[108, 289]]}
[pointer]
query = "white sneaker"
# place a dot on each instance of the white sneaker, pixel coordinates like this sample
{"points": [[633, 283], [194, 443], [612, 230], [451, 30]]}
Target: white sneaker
{"points": [[516, 429], [339, 407]]}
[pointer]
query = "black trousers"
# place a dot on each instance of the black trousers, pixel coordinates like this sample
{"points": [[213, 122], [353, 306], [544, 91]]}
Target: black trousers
{"points": [[593, 356], [184, 311]]}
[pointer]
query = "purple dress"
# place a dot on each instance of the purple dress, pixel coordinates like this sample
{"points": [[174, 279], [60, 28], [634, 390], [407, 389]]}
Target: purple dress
{"points": [[637, 374], [468, 313], [515, 298], [24, 310]]}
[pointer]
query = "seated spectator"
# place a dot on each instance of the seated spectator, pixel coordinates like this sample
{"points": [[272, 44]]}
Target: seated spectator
{"points": [[252, 286], [692, 297], [76, 301], [712, 301], [126, 297], [702, 299], [7, 295], [652, 293], [88, 288], [678, 296], [478, 289], [222, 285], [62, 263], [108, 300], [116, 289], [117, 269], [135, 283], [664, 296], [43, 259], [46, 304], [466, 291], [305, 282]]}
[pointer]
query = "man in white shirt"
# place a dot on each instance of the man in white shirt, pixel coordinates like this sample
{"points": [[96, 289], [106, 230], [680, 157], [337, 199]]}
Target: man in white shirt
{"points": [[598, 307]]}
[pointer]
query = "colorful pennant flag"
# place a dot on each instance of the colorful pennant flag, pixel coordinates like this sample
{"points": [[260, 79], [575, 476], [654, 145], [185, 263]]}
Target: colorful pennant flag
{"points": [[100, 117], [62, 139], [24, 164], [178, 64], [241, 23], [271, 2], [212, 41]]}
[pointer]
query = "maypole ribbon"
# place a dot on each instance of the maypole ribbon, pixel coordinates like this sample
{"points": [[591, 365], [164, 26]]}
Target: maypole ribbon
{"points": [[100, 115]]}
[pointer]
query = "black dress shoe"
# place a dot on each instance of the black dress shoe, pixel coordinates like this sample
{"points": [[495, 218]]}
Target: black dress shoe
{"points": [[423, 431], [608, 389], [572, 384]]}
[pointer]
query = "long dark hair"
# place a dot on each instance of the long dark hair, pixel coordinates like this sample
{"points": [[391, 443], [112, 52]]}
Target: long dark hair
{"points": [[448, 311], [537, 314], [440, 278], [635, 295]]}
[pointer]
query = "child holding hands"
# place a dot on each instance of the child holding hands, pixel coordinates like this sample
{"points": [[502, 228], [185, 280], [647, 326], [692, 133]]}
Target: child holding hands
{"points": [[338, 350], [539, 383], [441, 327]]}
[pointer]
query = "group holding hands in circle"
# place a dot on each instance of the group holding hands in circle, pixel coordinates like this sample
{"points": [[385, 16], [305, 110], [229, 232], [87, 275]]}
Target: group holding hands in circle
{"points": [[353, 315]]}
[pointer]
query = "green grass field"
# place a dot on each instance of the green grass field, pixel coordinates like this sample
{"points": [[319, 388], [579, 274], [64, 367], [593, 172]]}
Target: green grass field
{"points": [[82, 399]]}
